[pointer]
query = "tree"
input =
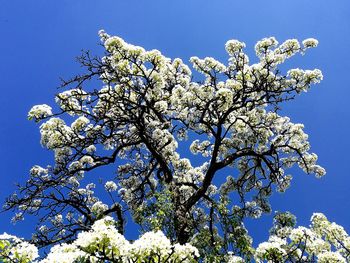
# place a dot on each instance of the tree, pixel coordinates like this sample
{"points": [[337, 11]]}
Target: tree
{"points": [[143, 120]]}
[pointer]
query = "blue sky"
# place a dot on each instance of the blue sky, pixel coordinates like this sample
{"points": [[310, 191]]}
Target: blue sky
{"points": [[39, 40]]}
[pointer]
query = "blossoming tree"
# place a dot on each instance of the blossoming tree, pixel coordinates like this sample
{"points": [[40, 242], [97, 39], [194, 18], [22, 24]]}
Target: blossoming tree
{"points": [[171, 140]]}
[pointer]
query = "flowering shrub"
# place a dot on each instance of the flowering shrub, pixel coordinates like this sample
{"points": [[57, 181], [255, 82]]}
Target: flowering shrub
{"points": [[324, 241], [102, 243]]}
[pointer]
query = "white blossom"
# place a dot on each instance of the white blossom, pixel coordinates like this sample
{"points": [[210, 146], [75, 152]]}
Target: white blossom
{"points": [[110, 186], [233, 46], [99, 207], [38, 112], [310, 42]]}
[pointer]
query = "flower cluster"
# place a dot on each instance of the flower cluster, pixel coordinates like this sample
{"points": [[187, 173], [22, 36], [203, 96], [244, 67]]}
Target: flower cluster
{"points": [[39, 112], [13, 249], [102, 243], [326, 241], [323, 240]]}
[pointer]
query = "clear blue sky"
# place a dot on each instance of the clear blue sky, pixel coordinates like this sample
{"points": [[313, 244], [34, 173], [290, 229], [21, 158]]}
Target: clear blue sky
{"points": [[39, 40]]}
